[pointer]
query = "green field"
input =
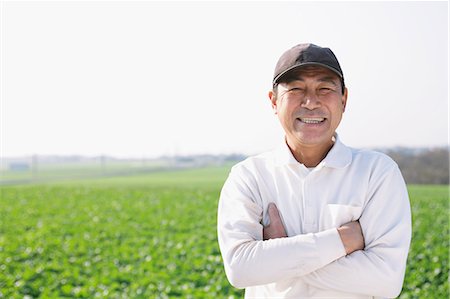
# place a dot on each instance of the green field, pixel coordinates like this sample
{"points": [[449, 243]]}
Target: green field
{"points": [[154, 236]]}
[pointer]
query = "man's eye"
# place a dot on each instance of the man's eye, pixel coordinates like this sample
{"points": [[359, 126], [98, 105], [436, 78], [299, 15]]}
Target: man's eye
{"points": [[296, 90], [325, 90]]}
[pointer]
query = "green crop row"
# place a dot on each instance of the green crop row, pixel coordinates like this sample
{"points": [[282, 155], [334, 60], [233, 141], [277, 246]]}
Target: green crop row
{"points": [[155, 237]]}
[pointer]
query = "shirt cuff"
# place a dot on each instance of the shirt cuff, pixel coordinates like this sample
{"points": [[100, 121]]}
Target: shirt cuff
{"points": [[329, 246]]}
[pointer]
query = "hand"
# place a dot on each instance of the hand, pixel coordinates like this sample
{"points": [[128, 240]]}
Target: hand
{"points": [[275, 229], [351, 236]]}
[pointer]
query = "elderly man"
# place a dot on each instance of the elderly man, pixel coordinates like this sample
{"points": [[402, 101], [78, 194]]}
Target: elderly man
{"points": [[314, 218]]}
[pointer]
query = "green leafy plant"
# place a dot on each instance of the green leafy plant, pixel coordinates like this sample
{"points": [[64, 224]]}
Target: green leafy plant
{"points": [[154, 236]]}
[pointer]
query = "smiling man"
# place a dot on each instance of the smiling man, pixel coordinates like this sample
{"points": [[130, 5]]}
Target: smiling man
{"points": [[314, 218]]}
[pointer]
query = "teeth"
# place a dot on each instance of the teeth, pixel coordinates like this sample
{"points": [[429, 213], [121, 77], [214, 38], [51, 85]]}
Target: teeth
{"points": [[312, 120]]}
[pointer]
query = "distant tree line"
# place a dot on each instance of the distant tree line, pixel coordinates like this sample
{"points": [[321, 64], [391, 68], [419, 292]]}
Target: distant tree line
{"points": [[418, 165], [428, 166]]}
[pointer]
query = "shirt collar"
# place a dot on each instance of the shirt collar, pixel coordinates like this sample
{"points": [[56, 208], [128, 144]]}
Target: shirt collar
{"points": [[339, 155]]}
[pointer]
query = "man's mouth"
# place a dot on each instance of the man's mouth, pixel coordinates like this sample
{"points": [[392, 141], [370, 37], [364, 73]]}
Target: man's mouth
{"points": [[311, 120]]}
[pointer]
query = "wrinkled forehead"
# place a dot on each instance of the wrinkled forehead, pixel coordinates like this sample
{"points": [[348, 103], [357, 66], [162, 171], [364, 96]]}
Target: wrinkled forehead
{"points": [[308, 71]]}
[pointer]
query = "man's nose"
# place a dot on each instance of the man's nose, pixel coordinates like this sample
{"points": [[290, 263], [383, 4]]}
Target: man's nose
{"points": [[310, 101]]}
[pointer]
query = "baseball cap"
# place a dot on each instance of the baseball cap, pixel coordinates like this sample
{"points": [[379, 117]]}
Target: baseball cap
{"points": [[303, 55]]}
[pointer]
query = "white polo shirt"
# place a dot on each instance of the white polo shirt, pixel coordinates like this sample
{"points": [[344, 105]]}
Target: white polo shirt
{"points": [[347, 185]]}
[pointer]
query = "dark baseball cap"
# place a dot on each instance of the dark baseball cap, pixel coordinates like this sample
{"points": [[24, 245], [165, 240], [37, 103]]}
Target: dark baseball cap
{"points": [[303, 55]]}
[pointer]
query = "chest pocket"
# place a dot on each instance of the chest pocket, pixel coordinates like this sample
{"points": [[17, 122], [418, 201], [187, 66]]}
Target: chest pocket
{"points": [[338, 214]]}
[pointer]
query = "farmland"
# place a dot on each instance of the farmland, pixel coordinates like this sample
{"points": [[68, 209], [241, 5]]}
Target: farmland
{"points": [[154, 236]]}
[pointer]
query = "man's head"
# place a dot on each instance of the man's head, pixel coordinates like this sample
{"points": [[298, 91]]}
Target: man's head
{"points": [[309, 95], [303, 55]]}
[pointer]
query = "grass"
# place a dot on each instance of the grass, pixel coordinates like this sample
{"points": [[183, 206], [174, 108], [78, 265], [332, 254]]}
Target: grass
{"points": [[69, 171], [154, 236], [428, 261]]}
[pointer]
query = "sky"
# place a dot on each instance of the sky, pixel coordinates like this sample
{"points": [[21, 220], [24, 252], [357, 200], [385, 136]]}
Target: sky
{"points": [[144, 79]]}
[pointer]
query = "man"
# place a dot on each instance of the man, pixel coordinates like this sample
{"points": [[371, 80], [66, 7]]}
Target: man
{"points": [[314, 218]]}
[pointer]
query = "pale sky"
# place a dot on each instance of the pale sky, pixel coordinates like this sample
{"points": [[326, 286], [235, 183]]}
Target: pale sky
{"points": [[144, 79]]}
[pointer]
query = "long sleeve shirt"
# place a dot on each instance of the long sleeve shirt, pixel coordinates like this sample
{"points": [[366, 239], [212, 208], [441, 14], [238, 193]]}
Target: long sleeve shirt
{"points": [[311, 262]]}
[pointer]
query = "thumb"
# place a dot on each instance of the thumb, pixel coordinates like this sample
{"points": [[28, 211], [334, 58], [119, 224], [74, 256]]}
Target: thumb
{"points": [[274, 215]]}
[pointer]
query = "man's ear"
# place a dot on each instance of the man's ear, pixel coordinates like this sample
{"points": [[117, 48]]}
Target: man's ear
{"points": [[344, 99], [273, 101]]}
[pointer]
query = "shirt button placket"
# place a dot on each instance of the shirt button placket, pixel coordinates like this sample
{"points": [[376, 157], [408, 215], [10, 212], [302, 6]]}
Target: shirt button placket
{"points": [[309, 209]]}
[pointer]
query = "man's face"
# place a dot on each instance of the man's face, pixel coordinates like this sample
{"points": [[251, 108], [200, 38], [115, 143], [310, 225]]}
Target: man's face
{"points": [[310, 106]]}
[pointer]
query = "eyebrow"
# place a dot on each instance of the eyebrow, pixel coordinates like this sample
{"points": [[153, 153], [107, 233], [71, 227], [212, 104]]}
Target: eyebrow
{"points": [[328, 79]]}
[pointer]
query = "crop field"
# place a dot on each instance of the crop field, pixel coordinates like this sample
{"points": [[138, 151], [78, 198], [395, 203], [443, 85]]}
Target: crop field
{"points": [[154, 236]]}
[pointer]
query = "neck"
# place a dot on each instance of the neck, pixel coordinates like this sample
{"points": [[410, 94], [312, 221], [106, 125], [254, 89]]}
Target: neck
{"points": [[309, 155]]}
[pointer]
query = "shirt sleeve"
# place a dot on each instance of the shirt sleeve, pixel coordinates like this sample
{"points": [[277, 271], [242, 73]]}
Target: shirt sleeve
{"points": [[379, 269], [249, 260]]}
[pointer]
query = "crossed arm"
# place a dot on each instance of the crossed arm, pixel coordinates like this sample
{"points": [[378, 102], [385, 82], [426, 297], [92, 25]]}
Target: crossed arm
{"points": [[350, 233], [331, 259]]}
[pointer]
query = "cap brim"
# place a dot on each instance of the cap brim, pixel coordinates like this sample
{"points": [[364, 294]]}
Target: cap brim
{"points": [[277, 78]]}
